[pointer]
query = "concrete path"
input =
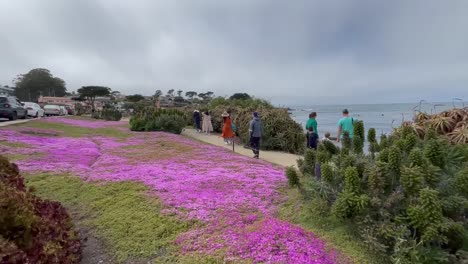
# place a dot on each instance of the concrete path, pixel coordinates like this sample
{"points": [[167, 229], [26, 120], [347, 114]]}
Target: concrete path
{"points": [[280, 158], [5, 122]]}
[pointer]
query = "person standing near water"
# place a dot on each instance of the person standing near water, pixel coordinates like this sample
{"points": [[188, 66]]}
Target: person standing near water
{"points": [[207, 126], [227, 134], [255, 130], [312, 132], [197, 119], [346, 124]]}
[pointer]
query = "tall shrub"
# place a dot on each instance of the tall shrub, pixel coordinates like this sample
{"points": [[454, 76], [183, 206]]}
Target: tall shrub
{"points": [[152, 119]]}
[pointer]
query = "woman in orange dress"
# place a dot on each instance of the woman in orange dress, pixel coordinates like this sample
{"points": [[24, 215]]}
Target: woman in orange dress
{"points": [[228, 133]]}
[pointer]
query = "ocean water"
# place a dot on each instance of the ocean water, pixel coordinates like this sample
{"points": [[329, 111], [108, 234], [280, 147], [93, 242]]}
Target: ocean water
{"points": [[382, 117]]}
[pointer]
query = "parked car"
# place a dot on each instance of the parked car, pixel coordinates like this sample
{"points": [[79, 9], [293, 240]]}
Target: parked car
{"points": [[63, 110], [12, 108], [52, 110], [34, 109]]}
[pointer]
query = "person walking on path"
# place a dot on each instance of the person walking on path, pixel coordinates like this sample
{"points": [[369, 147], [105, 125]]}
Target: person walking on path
{"points": [[227, 134], [255, 130], [207, 126], [346, 124], [312, 132], [197, 119]]}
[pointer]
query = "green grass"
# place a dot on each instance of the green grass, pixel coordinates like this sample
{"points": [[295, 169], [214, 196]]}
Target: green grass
{"points": [[16, 157], [312, 216], [122, 214], [13, 144], [74, 131]]}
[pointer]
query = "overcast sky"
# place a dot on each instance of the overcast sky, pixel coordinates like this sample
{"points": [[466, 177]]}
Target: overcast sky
{"points": [[313, 51]]}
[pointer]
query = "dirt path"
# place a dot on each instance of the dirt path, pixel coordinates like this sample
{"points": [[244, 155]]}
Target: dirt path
{"points": [[280, 158]]}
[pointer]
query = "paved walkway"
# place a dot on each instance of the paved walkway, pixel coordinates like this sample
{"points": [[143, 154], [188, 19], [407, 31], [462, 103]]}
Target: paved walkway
{"points": [[5, 122], [280, 158]]}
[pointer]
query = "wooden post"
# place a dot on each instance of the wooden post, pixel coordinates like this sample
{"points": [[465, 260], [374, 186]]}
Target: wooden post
{"points": [[233, 144]]}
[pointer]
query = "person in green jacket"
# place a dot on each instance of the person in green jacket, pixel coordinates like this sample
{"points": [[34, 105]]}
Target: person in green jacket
{"points": [[312, 132], [346, 124]]}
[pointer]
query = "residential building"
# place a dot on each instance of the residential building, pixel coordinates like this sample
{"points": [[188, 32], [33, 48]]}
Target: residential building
{"points": [[65, 101], [5, 90]]}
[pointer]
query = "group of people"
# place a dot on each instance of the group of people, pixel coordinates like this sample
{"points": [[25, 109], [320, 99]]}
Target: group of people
{"points": [[345, 124], [204, 124]]}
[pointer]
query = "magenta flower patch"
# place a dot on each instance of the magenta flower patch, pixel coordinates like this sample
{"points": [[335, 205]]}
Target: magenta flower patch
{"points": [[235, 197]]}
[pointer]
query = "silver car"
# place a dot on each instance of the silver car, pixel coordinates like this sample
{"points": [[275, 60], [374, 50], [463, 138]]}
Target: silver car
{"points": [[52, 110]]}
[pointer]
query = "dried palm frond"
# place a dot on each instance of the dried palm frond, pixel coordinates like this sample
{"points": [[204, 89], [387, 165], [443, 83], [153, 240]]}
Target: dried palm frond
{"points": [[420, 129], [460, 134], [442, 124], [457, 114], [421, 116]]}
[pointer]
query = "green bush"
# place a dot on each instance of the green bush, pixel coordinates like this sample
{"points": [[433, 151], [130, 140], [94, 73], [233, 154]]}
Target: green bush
{"points": [[293, 177], [407, 199], [308, 166], [152, 119], [111, 115], [33, 230]]}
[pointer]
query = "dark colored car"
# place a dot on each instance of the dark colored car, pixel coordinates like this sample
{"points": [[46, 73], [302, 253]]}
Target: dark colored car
{"points": [[12, 108], [69, 110]]}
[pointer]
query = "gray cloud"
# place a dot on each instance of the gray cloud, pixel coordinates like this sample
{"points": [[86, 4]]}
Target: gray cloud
{"points": [[305, 50]]}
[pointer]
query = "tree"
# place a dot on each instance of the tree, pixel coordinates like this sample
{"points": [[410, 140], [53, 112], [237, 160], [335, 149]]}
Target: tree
{"points": [[38, 82], [90, 93], [202, 96], [190, 94], [179, 93], [209, 94], [157, 94], [240, 96], [135, 98], [170, 92]]}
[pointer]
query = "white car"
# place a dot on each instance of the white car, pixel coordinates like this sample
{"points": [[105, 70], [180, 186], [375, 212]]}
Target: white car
{"points": [[52, 110], [34, 109], [63, 110]]}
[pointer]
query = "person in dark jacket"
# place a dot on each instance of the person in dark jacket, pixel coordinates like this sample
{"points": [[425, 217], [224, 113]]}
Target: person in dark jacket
{"points": [[255, 130], [197, 120]]}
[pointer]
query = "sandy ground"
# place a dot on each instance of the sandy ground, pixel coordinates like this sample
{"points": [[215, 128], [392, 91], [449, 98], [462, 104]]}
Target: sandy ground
{"points": [[280, 158]]}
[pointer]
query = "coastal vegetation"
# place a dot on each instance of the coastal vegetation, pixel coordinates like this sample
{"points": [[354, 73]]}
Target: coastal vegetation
{"points": [[153, 119], [452, 123], [406, 200], [33, 230]]}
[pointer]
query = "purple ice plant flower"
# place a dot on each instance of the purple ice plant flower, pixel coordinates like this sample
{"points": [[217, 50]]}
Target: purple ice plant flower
{"points": [[235, 196]]}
